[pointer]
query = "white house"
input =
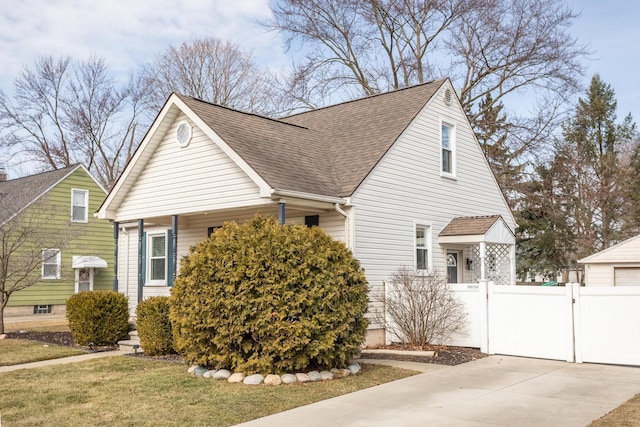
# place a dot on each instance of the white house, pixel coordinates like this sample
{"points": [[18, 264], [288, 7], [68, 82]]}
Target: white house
{"points": [[399, 177], [618, 265]]}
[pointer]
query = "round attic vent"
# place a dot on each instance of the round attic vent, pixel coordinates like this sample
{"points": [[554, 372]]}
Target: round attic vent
{"points": [[183, 134], [447, 96]]}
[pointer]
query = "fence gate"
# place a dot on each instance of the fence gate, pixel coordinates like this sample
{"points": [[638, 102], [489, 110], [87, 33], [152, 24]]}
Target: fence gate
{"points": [[572, 323]]}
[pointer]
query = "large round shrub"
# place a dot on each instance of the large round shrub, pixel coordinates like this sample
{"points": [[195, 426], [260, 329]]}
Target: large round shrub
{"points": [[98, 317], [154, 326], [263, 297]]}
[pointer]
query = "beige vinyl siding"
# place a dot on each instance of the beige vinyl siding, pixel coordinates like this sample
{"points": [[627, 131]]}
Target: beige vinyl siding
{"points": [[196, 178], [406, 188], [598, 275], [96, 239]]}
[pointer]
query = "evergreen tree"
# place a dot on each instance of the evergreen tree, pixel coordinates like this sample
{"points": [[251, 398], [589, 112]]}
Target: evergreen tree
{"points": [[593, 151]]}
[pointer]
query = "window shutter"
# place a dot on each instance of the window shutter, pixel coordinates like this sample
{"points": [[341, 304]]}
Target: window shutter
{"points": [[144, 257], [170, 266]]}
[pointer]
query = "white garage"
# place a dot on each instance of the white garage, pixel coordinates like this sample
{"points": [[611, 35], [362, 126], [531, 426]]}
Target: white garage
{"points": [[618, 265]]}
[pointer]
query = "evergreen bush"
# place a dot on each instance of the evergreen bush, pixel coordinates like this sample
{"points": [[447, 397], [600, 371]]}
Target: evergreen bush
{"points": [[263, 297], [154, 326], [98, 317]]}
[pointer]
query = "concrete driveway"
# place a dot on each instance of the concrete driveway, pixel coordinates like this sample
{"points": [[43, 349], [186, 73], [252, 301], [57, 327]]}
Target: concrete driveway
{"points": [[494, 391]]}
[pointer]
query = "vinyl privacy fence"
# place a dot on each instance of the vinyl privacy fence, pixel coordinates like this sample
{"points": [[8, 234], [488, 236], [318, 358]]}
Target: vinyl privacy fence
{"points": [[572, 323]]}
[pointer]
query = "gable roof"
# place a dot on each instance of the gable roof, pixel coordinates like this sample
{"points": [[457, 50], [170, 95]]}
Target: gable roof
{"points": [[466, 225], [467, 229], [327, 151], [18, 194], [626, 251]]}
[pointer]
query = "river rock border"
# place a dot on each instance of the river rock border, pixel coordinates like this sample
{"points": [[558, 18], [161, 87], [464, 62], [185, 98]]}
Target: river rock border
{"points": [[272, 379]]}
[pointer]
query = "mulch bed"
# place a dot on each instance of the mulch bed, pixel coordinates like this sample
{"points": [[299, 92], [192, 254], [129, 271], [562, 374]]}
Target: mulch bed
{"points": [[444, 355], [58, 338]]}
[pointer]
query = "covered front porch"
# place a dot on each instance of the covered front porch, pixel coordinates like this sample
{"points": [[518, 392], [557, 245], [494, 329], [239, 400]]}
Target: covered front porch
{"points": [[479, 249], [148, 250]]}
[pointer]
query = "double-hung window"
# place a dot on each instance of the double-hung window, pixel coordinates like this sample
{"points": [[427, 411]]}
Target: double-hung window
{"points": [[448, 150], [158, 259], [423, 247], [51, 264], [79, 205]]}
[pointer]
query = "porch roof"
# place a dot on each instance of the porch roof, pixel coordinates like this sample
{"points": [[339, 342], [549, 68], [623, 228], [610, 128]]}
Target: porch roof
{"points": [[88, 261], [476, 229]]}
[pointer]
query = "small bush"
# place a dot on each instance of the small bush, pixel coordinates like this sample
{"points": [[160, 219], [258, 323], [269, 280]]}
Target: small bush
{"points": [[154, 326], [420, 309], [98, 317], [263, 297]]}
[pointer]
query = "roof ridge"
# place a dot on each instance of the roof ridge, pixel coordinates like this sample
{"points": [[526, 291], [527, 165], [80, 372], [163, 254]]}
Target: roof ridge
{"points": [[367, 97], [247, 113], [75, 165]]}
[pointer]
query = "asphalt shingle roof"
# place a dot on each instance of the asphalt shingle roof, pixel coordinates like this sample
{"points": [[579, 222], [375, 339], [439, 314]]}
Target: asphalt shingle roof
{"points": [[16, 194], [469, 225], [328, 151]]}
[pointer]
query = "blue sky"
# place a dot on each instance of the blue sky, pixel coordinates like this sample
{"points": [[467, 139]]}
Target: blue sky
{"points": [[129, 33]]}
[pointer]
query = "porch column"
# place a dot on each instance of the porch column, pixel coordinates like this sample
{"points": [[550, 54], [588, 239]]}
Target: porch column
{"points": [[483, 260], [174, 245], [140, 258], [116, 231], [281, 212]]}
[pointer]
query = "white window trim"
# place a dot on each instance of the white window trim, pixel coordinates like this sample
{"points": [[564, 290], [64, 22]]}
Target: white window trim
{"points": [[150, 282], [58, 263], [429, 247], [453, 146], [86, 205]]}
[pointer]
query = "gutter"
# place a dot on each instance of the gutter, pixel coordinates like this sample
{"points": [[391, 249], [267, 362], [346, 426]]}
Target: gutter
{"points": [[309, 196]]}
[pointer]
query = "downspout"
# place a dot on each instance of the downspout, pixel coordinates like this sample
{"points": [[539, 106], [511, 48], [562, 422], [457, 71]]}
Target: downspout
{"points": [[347, 233]]}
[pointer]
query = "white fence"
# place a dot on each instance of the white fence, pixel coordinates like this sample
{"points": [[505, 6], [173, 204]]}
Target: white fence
{"points": [[572, 323]]}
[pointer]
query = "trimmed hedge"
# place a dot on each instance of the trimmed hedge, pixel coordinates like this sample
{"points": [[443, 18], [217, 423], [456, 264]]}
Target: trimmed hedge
{"points": [[154, 326], [98, 317], [263, 297]]}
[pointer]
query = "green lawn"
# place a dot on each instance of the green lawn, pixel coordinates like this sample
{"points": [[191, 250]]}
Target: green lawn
{"points": [[14, 351], [138, 392]]}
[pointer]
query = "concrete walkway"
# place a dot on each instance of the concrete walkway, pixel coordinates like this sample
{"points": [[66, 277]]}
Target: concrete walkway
{"points": [[494, 391], [62, 360]]}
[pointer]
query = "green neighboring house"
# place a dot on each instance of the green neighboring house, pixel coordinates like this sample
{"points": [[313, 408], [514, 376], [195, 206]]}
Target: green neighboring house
{"points": [[70, 196]]}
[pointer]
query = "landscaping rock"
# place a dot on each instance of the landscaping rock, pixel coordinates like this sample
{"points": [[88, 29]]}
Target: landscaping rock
{"points": [[222, 374], [193, 368], [272, 379], [288, 378], [3, 336], [199, 371], [254, 379], [326, 375], [340, 373], [236, 377], [209, 374], [302, 378], [354, 368], [314, 376]]}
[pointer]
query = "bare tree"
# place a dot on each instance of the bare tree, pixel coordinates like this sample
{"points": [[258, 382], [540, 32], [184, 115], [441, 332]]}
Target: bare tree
{"points": [[65, 112], [23, 238], [211, 70], [420, 310], [493, 50]]}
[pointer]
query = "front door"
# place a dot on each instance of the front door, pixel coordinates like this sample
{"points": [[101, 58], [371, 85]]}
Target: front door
{"points": [[84, 279], [452, 267]]}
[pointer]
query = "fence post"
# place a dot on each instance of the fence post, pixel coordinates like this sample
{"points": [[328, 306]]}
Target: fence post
{"points": [[569, 330], [483, 288], [576, 322]]}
